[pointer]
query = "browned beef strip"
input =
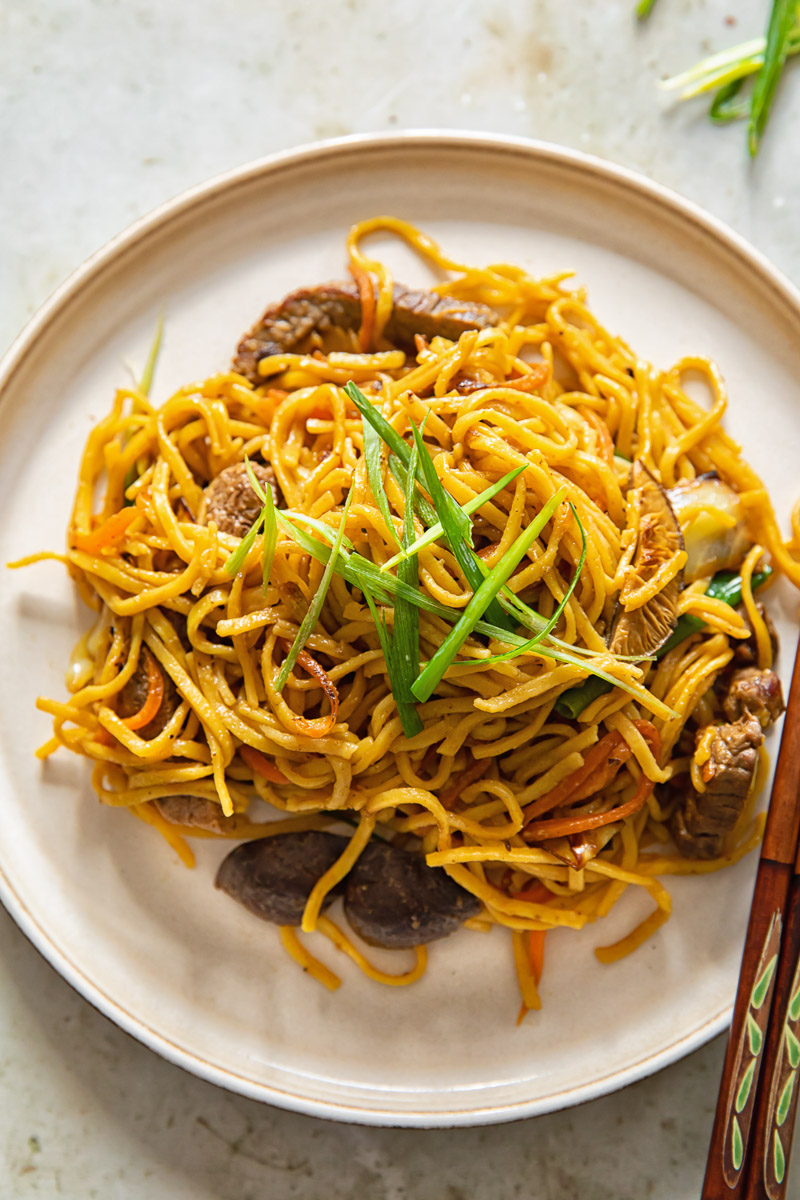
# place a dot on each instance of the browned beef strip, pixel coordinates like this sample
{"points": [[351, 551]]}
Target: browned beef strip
{"points": [[746, 652], [231, 501], [754, 692], [191, 810], [311, 317], [701, 825], [134, 694]]}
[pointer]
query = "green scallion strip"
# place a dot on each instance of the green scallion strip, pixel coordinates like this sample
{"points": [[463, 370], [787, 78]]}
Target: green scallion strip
{"points": [[423, 506], [456, 523], [405, 644], [320, 526], [372, 456], [479, 602], [235, 560], [471, 506], [270, 540], [644, 8], [726, 106], [364, 575], [315, 607], [461, 550], [551, 624], [782, 21], [146, 381]]}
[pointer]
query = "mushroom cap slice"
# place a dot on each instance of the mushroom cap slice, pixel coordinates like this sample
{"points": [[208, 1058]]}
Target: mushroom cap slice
{"points": [[644, 630]]}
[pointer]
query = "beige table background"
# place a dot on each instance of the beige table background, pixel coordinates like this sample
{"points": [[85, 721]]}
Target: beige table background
{"points": [[107, 109]]}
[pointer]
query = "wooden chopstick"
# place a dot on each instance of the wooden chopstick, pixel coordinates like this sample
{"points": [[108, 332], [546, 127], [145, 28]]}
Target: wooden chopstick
{"points": [[736, 1154]]}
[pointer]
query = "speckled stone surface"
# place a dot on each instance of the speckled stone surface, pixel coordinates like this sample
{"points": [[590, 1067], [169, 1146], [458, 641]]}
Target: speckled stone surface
{"points": [[106, 109]]}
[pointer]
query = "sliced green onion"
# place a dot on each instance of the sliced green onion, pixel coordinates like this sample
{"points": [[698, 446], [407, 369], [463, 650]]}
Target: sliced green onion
{"points": [[471, 506], [320, 526], [146, 380], [782, 21], [364, 575], [481, 598], [315, 607], [551, 624], [235, 560], [423, 506], [462, 552], [270, 539], [372, 456], [405, 644], [456, 523], [726, 107], [255, 483], [644, 8]]}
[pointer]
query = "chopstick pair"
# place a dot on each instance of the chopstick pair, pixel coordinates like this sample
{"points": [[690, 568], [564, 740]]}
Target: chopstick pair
{"points": [[751, 1139]]}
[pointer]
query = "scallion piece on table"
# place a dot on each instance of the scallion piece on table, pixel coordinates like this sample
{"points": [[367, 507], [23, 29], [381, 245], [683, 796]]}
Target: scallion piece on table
{"points": [[481, 598], [644, 8], [782, 22], [315, 607]]}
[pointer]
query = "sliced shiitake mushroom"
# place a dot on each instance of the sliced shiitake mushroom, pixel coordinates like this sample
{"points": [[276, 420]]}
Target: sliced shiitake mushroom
{"points": [[273, 877], [643, 630], [395, 900], [712, 521]]}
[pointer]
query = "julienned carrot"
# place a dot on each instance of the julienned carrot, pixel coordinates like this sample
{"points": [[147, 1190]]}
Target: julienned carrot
{"points": [[366, 292], [613, 744], [262, 766], [562, 826], [536, 951], [109, 533], [463, 780], [532, 380], [154, 698]]}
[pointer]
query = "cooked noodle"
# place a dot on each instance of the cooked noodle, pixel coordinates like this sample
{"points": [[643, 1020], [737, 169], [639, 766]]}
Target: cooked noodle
{"points": [[548, 389]]}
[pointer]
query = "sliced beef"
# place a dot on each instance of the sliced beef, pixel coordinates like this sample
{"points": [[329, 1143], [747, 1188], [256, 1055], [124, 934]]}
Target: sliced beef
{"points": [[395, 900], [325, 316], [132, 698], [231, 501], [746, 652], [754, 693], [193, 811], [702, 823], [273, 877]]}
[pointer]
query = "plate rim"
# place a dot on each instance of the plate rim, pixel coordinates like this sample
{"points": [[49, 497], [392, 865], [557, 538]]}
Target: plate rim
{"points": [[727, 240]]}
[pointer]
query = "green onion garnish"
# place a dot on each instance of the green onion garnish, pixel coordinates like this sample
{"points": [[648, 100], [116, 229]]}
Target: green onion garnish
{"points": [[551, 624], [644, 8], [726, 106], [364, 575], [461, 550], [405, 644], [146, 381], [372, 456], [479, 602], [782, 21], [471, 506], [423, 506], [315, 607], [456, 523], [267, 517]]}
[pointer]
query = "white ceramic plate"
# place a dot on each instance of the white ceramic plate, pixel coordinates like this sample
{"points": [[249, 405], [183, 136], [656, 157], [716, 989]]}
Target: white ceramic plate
{"points": [[152, 945]]}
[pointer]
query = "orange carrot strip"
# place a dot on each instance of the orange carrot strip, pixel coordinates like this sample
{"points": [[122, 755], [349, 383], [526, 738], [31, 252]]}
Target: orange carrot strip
{"points": [[109, 533], [463, 780], [536, 892], [560, 826], [154, 698], [531, 381], [366, 293], [320, 726], [262, 766], [598, 755], [536, 951]]}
